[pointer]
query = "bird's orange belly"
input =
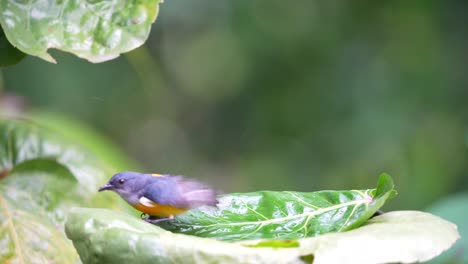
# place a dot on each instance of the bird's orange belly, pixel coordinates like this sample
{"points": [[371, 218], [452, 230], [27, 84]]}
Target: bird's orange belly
{"points": [[160, 210]]}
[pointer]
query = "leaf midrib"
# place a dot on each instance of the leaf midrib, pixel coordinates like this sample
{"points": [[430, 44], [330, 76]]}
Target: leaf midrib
{"points": [[313, 213]]}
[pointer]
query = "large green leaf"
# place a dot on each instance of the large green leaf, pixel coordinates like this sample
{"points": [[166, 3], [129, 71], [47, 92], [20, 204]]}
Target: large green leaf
{"points": [[27, 234], [105, 236], [55, 188], [43, 175], [24, 140], [286, 215], [394, 237], [95, 30]]}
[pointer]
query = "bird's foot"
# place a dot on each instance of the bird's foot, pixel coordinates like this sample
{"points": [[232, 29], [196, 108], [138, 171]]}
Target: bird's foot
{"points": [[379, 212], [150, 219]]}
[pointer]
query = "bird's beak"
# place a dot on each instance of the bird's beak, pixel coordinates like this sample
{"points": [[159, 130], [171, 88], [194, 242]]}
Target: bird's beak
{"points": [[106, 187]]}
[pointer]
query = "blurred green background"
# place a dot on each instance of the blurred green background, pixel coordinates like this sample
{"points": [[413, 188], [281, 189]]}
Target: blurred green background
{"points": [[305, 96]]}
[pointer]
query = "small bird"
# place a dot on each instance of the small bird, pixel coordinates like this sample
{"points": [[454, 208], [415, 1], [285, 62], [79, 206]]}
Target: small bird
{"points": [[158, 195]]}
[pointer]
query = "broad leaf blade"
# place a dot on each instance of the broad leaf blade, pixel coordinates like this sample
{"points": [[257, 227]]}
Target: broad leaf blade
{"points": [[55, 188], [284, 215], [54, 174], [93, 30], [28, 150], [104, 236], [22, 140], [27, 235], [394, 237]]}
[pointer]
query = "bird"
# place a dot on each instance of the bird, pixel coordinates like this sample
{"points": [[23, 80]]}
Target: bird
{"points": [[160, 196]]}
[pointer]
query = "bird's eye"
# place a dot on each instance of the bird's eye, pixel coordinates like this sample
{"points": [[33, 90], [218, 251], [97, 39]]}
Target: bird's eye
{"points": [[121, 181]]}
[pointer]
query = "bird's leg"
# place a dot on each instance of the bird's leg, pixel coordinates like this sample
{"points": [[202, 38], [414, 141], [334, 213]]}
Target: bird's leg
{"points": [[151, 220], [379, 212]]}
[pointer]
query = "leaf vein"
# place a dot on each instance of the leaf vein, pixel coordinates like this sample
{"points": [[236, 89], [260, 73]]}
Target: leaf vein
{"points": [[302, 201], [253, 211], [12, 229], [348, 218], [248, 234], [313, 213]]}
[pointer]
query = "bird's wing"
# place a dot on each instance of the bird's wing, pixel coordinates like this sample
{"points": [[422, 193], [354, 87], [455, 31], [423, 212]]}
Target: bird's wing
{"points": [[164, 191], [147, 202], [196, 193], [179, 192]]}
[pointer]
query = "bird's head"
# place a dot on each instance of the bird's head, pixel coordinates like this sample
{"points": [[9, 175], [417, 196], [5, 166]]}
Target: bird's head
{"points": [[124, 182]]}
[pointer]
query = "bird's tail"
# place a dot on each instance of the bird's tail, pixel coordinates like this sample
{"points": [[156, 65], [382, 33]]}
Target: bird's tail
{"points": [[197, 194]]}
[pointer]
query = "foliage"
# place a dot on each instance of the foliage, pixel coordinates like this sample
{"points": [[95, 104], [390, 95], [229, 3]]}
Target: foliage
{"points": [[104, 236], [97, 31], [43, 176], [283, 215], [28, 233], [335, 90], [331, 94], [38, 164]]}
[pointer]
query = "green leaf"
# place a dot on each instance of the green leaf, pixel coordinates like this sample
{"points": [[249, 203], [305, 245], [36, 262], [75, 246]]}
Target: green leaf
{"points": [[384, 185], [27, 235], [394, 237], [94, 30], [8, 54], [105, 236], [23, 140], [54, 174], [45, 185], [283, 215], [46, 180]]}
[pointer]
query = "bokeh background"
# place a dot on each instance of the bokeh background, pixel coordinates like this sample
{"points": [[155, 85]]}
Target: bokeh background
{"points": [[305, 96]]}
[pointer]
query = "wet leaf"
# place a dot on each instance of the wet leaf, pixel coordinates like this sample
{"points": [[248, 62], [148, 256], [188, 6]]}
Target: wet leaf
{"points": [[46, 185], [105, 236], [27, 235], [394, 237], [44, 175], [31, 153], [93, 30], [24, 140], [283, 215], [54, 188]]}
